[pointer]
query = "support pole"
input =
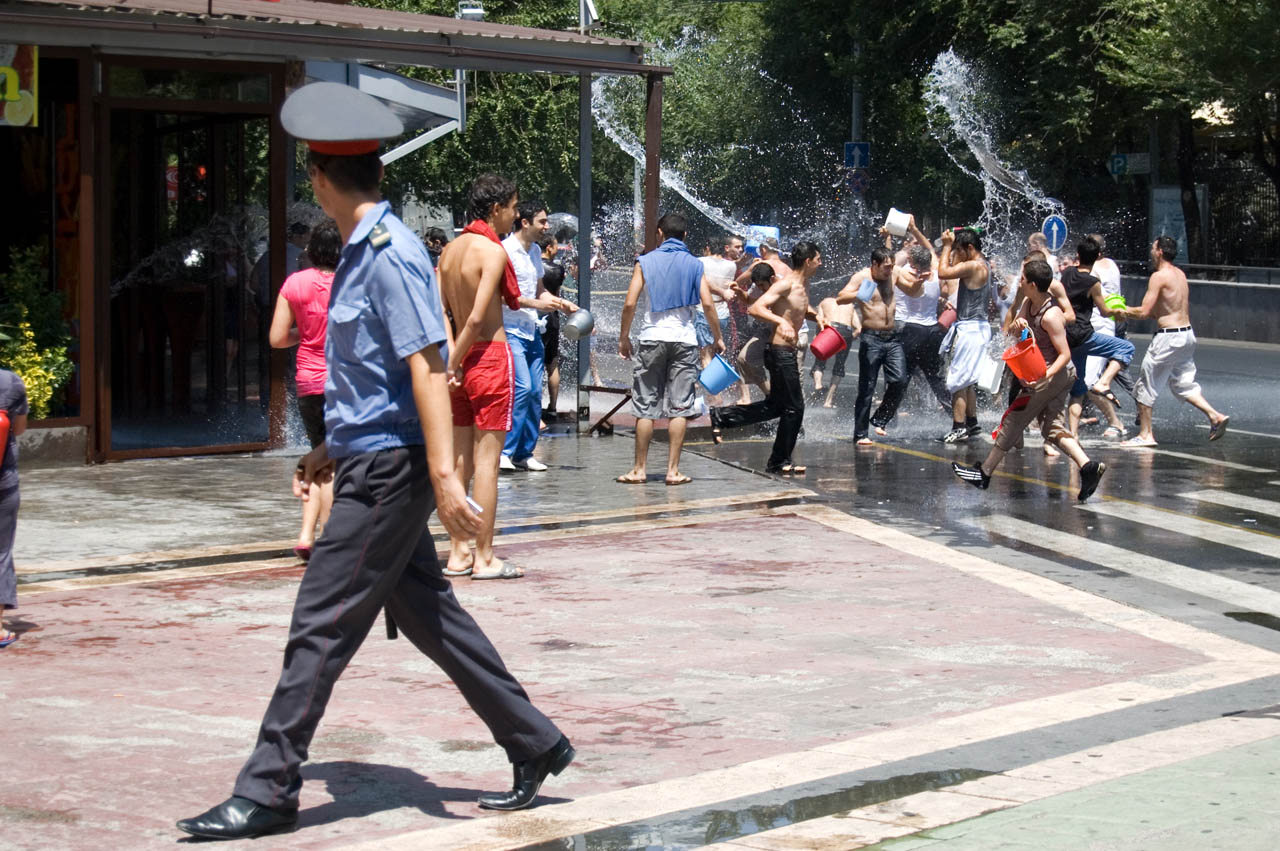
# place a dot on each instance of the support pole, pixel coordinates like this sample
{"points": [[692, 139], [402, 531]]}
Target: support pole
{"points": [[584, 243], [652, 152]]}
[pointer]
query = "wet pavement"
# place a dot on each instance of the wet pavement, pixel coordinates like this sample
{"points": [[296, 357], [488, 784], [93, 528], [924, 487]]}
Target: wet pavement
{"points": [[873, 653]]}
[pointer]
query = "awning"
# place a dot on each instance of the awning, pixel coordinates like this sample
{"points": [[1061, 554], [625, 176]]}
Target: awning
{"points": [[305, 29]]}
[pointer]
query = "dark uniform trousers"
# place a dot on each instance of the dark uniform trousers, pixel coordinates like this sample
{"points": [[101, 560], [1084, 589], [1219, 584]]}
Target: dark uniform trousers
{"points": [[376, 551]]}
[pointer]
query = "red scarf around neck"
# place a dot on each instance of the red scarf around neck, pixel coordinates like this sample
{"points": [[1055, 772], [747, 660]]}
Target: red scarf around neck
{"points": [[510, 285]]}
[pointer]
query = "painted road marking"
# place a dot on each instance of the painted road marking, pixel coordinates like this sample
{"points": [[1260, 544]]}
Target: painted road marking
{"points": [[1231, 591], [1206, 530], [1234, 430], [1233, 662], [1231, 465], [925, 810], [1265, 507]]}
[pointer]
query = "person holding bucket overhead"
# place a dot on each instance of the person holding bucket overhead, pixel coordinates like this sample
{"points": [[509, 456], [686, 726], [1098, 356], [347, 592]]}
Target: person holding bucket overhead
{"points": [[784, 306], [674, 286], [1046, 390]]}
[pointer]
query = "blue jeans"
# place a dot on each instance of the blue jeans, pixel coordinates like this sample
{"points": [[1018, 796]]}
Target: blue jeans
{"points": [[529, 368], [874, 352], [1102, 346]]}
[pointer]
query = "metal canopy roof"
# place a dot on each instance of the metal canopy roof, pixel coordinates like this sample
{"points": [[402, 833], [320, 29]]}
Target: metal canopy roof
{"points": [[305, 29]]}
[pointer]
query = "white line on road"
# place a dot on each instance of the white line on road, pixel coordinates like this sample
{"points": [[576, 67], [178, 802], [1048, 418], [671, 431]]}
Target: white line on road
{"points": [[1214, 461], [1200, 582], [1234, 430], [1265, 507], [1217, 533]]}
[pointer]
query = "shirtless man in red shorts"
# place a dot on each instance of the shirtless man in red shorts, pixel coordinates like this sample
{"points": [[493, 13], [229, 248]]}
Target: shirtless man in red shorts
{"points": [[480, 372]]}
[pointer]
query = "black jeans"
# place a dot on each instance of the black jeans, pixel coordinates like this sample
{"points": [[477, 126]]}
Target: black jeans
{"points": [[376, 550], [920, 345], [786, 402], [874, 352]]}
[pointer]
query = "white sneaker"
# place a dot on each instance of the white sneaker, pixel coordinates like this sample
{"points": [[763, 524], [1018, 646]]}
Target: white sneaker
{"points": [[531, 464], [505, 463]]}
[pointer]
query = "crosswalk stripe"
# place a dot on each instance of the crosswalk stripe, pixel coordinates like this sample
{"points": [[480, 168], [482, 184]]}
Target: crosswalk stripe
{"points": [[1265, 507], [1217, 533], [1232, 591], [1217, 462], [1234, 430]]}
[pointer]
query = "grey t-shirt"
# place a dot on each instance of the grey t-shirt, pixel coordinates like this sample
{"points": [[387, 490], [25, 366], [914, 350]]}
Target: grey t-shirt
{"points": [[13, 400]]}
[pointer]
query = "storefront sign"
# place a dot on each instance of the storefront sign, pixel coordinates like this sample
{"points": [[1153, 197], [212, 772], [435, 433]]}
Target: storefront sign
{"points": [[18, 89]]}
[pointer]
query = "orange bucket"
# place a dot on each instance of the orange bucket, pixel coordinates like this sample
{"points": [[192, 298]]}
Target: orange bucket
{"points": [[1025, 360], [827, 343]]}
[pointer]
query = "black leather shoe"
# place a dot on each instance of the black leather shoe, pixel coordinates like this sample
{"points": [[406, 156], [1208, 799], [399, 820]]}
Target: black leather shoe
{"points": [[239, 818], [529, 775]]}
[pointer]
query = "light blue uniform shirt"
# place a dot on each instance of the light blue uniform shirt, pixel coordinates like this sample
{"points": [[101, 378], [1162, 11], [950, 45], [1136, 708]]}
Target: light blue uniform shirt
{"points": [[384, 306]]}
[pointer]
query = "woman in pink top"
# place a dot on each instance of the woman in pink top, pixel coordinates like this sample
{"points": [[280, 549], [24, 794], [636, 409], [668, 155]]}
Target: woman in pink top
{"points": [[301, 318]]}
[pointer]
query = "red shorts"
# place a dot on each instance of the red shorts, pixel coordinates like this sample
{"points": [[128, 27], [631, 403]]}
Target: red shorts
{"points": [[488, 391]]}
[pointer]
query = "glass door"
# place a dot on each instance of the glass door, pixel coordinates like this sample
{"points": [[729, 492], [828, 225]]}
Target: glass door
{"points": [[188, 221]]}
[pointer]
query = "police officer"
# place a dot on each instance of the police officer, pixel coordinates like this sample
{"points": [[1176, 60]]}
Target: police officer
{"points": [[390, 448]]}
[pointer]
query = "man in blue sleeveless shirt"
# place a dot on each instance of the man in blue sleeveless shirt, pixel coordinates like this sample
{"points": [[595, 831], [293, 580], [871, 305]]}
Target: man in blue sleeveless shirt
{"points": [[666, 371], [389, 441]]}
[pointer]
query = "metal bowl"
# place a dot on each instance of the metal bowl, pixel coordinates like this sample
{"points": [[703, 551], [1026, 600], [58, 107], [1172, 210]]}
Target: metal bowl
{"points": [[578, 324]]}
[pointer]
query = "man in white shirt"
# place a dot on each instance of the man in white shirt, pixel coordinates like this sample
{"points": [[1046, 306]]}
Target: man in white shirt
{"points": [[525, 338]]}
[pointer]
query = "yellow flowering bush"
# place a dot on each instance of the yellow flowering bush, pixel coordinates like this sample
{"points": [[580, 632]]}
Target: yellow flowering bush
{"points": [[42, 371], [33, 334]]}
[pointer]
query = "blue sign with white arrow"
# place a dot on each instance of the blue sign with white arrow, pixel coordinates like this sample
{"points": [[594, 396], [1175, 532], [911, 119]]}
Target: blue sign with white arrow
{"points": [[857, 154], [1055, 231]]}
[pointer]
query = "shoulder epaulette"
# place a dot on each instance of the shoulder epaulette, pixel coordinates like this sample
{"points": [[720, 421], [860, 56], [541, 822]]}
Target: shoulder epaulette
{"points": [[379, 236]]}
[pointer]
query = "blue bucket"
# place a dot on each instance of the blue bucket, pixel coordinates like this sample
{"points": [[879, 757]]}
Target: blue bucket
{"points": [[717, 375]]}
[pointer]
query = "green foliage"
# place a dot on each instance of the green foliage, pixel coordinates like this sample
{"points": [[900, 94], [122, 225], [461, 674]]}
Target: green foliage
{"points": [[31, 315]]}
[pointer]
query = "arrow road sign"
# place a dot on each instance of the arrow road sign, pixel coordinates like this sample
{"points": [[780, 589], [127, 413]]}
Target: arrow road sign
{"points": [[857, 154], [1055, 231]]}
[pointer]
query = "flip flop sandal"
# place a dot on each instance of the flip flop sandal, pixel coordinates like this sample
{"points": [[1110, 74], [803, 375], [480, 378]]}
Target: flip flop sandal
{"points": [[9, 637], [464, 572], [509, 571], [302, 552], [1220, 429], [1109, 396], [628, 480], [683, 480], [795, 469], [717, 436]]}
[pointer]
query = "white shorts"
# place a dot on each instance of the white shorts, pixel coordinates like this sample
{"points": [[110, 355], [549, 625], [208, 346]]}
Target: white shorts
{"points": [[968, 341], [1094, 365], [1170, 359]]}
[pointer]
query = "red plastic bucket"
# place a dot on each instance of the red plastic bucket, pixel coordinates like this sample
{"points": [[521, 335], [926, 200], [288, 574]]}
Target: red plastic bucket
{"points": [[1025, 360], [827, 343], [948, 317]]}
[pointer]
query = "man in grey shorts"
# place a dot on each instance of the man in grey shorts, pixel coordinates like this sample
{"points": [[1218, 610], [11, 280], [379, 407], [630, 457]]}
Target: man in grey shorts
{"points": [[672, 283]]}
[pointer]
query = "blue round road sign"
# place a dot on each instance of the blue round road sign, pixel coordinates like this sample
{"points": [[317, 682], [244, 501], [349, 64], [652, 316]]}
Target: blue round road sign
{"points": [[1055, 231]]}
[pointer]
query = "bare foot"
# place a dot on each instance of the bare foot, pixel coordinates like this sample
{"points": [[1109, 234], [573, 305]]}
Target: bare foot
{"points": [[632, 478], [1051, 451], [880, 431], [828, 404]]}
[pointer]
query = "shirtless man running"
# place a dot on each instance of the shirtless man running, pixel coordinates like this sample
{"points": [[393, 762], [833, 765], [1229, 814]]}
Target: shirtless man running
{"points": [[784, 306], [881, 345], [1171, 356], [480, 371]]}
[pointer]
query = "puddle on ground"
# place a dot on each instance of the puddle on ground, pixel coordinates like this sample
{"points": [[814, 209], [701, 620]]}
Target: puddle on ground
{"points": [[720, 825]]}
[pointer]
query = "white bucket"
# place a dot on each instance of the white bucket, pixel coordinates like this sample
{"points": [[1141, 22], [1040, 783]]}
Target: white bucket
{"points": [[896, 223]]}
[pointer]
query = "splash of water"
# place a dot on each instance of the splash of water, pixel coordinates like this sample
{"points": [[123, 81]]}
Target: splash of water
{"points": [[960, 114], [605, 110]]}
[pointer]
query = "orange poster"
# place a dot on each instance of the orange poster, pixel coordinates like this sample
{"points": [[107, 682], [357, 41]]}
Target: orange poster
{"points": [[18, 85]]}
